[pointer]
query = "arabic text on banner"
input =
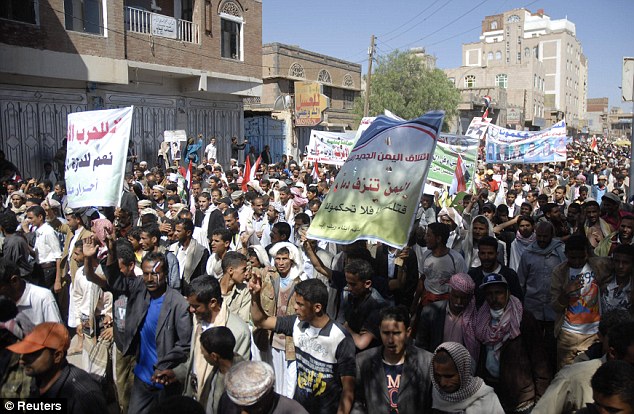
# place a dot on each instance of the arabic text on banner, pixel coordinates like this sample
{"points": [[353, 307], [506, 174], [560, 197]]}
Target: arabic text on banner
{"points": [[446, 157], [377, 191], [519, 147], [329, 147], [96, 156]]}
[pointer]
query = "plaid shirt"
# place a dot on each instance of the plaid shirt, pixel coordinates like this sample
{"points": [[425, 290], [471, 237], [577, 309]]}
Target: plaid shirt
{"points": [[14, 382]]}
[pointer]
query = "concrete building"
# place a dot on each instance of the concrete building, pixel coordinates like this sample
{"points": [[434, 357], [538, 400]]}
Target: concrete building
{"points": [[183, 64], [539, 63], [597, 116], [272, 120], [620, 124]]}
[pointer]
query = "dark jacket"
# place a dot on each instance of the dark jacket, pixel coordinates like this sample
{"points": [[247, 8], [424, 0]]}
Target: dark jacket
{"points": [[414, 393], [81, 392], [174, 327], [524, 370], [431, 326], [509, 274]]}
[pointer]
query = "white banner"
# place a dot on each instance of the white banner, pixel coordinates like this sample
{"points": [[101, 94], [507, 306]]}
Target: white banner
{"points": [[329, 147], [96, 156]]}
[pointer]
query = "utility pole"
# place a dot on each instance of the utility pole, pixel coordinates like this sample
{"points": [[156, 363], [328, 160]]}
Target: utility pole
{"points": [[366, 107]]}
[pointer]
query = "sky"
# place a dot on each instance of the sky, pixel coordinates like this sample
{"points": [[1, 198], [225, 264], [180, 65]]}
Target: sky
{"points": [[342, 29]]}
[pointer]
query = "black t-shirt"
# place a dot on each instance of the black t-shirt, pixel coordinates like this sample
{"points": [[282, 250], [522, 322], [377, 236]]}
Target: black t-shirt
{"points": [[323, 356], [393, 379]]}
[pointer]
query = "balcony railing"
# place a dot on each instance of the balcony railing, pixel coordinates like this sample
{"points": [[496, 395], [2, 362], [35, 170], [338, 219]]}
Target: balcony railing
{"points": [[143, 21]]}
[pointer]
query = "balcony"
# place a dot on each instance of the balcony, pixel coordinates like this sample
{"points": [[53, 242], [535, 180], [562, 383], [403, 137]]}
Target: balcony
{"points": [[154, 24]]}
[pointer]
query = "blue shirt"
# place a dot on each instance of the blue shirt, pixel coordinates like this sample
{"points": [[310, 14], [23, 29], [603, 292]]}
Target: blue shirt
{"points": [[148, 357]]}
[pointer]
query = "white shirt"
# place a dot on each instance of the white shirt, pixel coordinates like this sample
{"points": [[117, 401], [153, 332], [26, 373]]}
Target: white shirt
{"points": [[39, 305], [47, 244], [84, 293], [211, 152]]}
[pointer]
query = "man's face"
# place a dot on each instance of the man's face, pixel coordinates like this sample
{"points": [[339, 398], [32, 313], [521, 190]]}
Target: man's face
{"points": [[559, 195], [215, 196], [284, 197], [239, 272], [479, 230], [431, 240], [610, 404], [576, 259], [592, 214], [276, 236], [530, 198], [232, 224], [626, 230], [555, 214], [126, 270], [147, 242], [202, 311], [39, 363], [265, 186], [258, 206], [544, 236], [237, 203], [497, 296], [218, 245], [552, 181], [534, 183], [357, 287], [157, 195], [393, 336], [59, 190], [37, 221], [153, 276], [73, 222], [203, 203], [488, 213], [283, 263], [517, 187], [447, 377], [623, 265], [458, 301], [271, 215], [510, 199], [303, 309], [583, 195], [610, 206], [181, 234], [78, 255], [488, 257], [525, 228]]}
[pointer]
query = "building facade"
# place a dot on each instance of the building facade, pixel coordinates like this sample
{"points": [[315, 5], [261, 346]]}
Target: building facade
{"points": [[282, 66], [183, 64], [597, 116], [539, 63]]}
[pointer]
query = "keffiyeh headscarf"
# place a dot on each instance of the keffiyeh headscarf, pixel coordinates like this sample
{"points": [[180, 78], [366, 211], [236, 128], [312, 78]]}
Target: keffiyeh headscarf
{"points": [[463, 283], [507, 328], [469, 384]]}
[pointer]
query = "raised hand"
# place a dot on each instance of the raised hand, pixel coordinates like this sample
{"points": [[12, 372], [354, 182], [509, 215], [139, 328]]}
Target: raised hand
{"points": [[89, 248]]}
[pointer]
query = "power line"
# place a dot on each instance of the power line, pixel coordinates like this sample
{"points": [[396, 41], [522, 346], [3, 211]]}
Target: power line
{"points": [[409, 21], [422, 21]]}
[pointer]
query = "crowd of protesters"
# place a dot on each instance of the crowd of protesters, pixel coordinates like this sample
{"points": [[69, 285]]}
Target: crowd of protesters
{"points": [[515, 297]]}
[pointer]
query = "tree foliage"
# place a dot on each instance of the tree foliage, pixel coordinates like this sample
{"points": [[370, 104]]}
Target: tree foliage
{"points": [[402, 84]]}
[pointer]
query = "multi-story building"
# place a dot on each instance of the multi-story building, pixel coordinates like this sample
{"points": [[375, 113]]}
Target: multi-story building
{"points": [[620, 124], [183, 64], [272, 120], [597, 116], [539, 63]]}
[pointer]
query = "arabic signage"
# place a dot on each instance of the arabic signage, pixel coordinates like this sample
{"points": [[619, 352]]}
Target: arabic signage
{"points": [[96, 156], [164, 26], [310, 103], [376, 193], [329, 147], [445, 159], [513, 116], [519, 147]]}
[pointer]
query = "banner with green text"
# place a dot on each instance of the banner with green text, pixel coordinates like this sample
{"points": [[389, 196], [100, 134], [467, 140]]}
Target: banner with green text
{"points": [[377, 191]]}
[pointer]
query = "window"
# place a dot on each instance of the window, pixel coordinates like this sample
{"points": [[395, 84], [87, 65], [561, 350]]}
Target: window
{"points": [[519, 57], [527, 52], [490, 56], [231, 31], [324, 76], [498, 55], [327, 91], [19, 10], [536, 52], [494, 25], [501, 80], [469, 81], [348, 99], [535, 81], [84, 16], [296, 71]]}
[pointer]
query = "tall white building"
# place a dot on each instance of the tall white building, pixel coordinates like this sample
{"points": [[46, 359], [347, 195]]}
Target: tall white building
{"points": [[539, 62]]}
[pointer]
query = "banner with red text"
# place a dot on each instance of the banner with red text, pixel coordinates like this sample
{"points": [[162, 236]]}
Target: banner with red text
{"points": [[377, 191], [96, 156]]}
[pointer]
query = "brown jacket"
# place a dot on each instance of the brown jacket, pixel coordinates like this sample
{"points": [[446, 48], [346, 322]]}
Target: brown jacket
{"points": [[268, 299], [67, 264], [602, 268]]}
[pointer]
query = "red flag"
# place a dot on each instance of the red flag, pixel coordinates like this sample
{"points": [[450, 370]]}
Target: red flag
{"points": [[255, 168], [460, 178], [593, 146], [315, 173], [246, 174], [188, 175]]}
